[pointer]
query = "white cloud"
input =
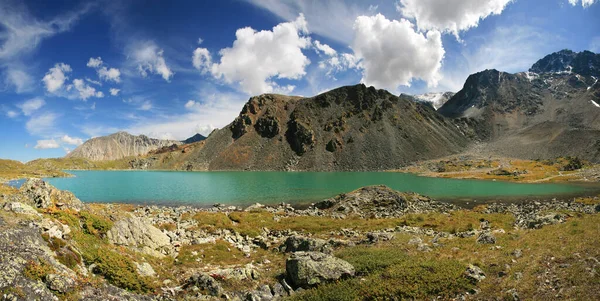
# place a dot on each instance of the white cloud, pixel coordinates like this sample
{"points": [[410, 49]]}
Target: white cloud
{"points": [[95, 82], [393, 54], [55, 77], [31, 105], [332, 19], [149, 59], [190, 104], [200, 40], [93, 107], [11, 114], [326, 49], [71, 140], [109, 74], [94, 62], [257, 57], [146, 106], [41, 124], [202, 60], [584, 3], [18, 78], [216, 110], [451, 16], [46, 144], [84, 90], [114, 91]]}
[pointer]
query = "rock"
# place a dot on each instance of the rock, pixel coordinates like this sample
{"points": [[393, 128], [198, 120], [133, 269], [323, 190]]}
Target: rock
{"points": [[307, 269], [145, 269], [205, 282], [300, 136], [39, 194], [517, 253], [486, 238], [374, 237], [423, 248], [60, 283], [140, 234], [240, 274], [279, 290], [415, 240], [549, 219], [261, 294], [474, 273], [297, 243], [267, 127], [21, 208]]}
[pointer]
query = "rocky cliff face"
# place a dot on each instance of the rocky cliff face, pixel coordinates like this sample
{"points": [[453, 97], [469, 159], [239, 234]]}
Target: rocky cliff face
{"points": [[436, 99], [118, 146], [535, 115], [349, 128]]}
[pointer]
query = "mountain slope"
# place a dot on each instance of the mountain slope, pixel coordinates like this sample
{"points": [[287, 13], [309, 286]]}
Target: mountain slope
{"points": [[195, 138], [436, 99], [535, 115], [118, 146], [349, 128]]}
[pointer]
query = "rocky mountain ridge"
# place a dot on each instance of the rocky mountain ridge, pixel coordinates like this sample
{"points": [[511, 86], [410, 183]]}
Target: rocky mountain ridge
{"points": [[118, 146]]}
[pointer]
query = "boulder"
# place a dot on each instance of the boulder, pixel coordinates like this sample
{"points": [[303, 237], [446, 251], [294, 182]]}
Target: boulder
{"points": [[205, 282], [21, 208], [39, 194], [474, 273], [145, 269], [308, 269], [59, 283], [486, 237], [140, 234], [297, 243]]}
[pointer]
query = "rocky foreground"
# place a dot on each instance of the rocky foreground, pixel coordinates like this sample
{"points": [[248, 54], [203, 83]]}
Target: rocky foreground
{"points": [[372, 243]]}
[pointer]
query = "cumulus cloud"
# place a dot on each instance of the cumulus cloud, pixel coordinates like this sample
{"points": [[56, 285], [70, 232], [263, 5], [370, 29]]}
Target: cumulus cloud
{"points": [[114, 91], [584, 3], [451, 16], [55, 77], [71, 140], [46, 144], [84, 91], [105, 73], [190, 104], [42, 124], [109, 74], [94, 62], [32, 105], [392, 53], [149, 59], [324, 48], [257, 57]]}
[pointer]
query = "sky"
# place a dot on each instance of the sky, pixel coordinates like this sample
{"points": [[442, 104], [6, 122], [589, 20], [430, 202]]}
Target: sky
{"points": [[71, 71]]}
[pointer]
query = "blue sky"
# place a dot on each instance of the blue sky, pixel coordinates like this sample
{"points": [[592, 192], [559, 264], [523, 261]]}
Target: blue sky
{"points": [[74, 70]]}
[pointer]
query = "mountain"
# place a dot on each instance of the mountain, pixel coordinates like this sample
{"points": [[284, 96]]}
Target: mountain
{"points": [[436, 99], [349, 128], [547, 112], [195, 138], [584, 63], [118, 146]]}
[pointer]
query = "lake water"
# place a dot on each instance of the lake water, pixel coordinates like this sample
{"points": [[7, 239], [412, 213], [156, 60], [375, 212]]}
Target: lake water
{"points": [[244, 188]]}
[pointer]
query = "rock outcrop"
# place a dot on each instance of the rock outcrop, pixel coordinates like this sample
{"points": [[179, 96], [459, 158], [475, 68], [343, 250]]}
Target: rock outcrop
{"points": [[118, 146], [140, 235], [39, 194], [308, 269]]}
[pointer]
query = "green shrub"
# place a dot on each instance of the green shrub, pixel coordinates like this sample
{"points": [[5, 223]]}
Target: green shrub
{"points": [[95, 224]]}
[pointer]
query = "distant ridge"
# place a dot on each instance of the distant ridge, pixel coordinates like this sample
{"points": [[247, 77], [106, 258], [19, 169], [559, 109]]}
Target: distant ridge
{"points": [[195, 138], [118, 146]]}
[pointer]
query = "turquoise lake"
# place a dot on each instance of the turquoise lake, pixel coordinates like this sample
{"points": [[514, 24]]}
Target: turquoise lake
{"points": [[244, 188]]}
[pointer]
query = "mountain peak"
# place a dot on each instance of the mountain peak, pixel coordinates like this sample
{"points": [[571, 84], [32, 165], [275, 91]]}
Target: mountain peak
{"points": [[584, 63]]}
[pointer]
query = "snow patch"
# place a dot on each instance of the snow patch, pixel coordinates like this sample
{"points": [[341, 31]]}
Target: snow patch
{"points": [[595, 103], [437, 99], [531, 75]]}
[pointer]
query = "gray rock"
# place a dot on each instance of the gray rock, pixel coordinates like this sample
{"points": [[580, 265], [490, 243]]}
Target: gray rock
{"points": [[307, 269], [517, 253], [60, 283], [145, 269], [39, 194], [474, 273], [205, 282], [21, 208], [296, 243], [140, 234], [486, 238]]}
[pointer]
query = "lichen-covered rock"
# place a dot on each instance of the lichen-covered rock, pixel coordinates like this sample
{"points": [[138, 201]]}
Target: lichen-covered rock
{"points": [[141, 235], [486, 237], [205, 282], [39, 194], [307, 269], [474, 273], [145, 269], [21, 208], [296, 243], [60, 283]]}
